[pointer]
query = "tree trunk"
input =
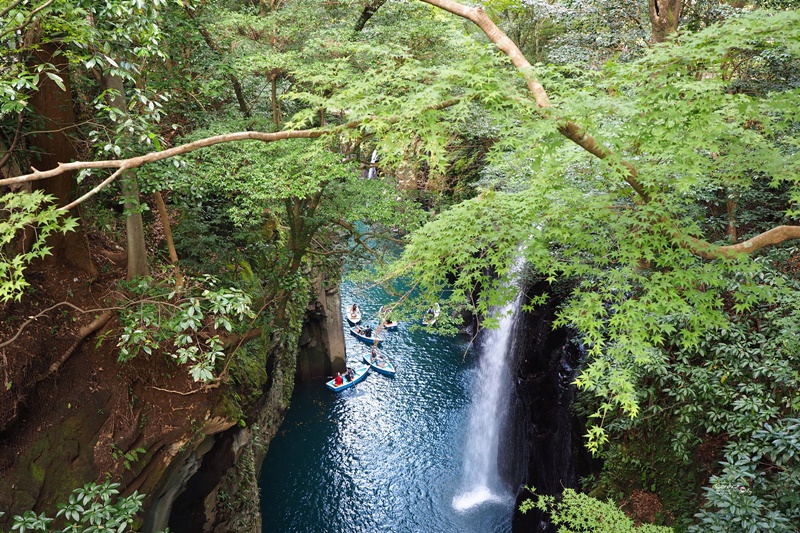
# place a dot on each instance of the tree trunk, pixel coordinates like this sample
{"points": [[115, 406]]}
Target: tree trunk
{"points": [[237, 86], [732, 220], [367, 13], [54, 107], [137, 251], [664, 16], [276, 112], [173, 254]]}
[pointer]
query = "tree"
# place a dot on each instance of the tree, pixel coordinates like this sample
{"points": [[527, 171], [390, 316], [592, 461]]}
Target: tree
{"points": [[664, 18], [53, 145], [54, 39], [619, 174]]}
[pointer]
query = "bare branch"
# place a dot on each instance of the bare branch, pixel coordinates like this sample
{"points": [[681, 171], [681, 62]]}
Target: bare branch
{"points": [[152, 157], [94, 191], [84, 332], [14, 4], [44, 312], [27, 20], [136, 162], [203, 388], [368, 12], [770, 237]]}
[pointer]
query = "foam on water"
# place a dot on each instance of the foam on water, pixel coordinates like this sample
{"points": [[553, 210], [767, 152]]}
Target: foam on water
{"points": [[475, 497]]}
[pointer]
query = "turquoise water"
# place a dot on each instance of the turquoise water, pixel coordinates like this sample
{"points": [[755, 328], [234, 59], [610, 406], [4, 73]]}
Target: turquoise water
{"points": [[387, 455]]}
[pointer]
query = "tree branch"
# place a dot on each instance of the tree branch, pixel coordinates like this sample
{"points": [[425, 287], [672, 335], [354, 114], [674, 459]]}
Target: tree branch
{"points": [[706, 250], [580, 137], [173, 254], [237, 87], [152, 157], [14, 4], [94, 190], [136, 162], [45, 311], [368, 12], [84, 332], [568, 129], [13, 145], [27, 20]]}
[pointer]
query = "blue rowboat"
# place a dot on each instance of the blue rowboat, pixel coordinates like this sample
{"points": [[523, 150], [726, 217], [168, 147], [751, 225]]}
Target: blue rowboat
{"points": [[361, 372], [369, 340], [381, 366]]}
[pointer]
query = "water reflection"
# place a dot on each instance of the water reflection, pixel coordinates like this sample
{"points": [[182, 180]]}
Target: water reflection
{"points": [[386, 455]]}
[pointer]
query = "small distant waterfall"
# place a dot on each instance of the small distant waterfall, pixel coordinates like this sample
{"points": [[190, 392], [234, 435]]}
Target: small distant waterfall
{"points": [[373, 170], [481, 482]]}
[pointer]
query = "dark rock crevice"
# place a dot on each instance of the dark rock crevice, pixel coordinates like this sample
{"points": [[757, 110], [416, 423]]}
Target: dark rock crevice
{"points": [[542, 446], [188, 513]]}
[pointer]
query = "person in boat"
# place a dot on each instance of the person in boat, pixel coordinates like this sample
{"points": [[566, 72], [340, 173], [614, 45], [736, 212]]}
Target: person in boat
{"points": [[351, 375], [381, 361], [353, 309], [368, 331], [359, 330], [374, 356], [338, 380]]}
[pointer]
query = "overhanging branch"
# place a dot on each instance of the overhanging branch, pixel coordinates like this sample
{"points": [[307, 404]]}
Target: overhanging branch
{"points": [[568, 129], [579, 136], [706, 250]]}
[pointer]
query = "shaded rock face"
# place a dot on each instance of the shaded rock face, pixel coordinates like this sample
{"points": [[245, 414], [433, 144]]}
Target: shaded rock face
{"points": [[189, 498], [322, 338], [204, 468], [542, 444], [215, 488]]}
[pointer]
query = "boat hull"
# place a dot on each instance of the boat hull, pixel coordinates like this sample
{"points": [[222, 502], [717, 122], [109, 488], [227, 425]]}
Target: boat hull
{"points": [[361, 372], [353, 318], [369, 340], [387, 370]]}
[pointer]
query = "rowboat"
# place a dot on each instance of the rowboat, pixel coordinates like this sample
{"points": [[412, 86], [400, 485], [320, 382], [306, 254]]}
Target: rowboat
{"points": [[353, 314], [369, 340], [382, 365], [387, 324], [361, 372], [431, 315]]}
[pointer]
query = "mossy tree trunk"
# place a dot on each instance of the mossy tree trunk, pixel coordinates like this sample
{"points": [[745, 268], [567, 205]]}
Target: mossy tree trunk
{"points": [[134, 226], [664, 18], [51, 145]]}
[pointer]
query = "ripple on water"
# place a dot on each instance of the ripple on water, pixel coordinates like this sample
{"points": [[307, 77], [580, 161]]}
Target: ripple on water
{"points": [[384, 456]]}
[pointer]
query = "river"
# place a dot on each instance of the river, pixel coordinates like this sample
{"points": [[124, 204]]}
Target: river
{"points": [[387, 455]]}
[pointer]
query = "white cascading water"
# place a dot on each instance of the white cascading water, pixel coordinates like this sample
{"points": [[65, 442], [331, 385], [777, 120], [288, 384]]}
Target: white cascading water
{"points": [[373, 171], [481, 481]]}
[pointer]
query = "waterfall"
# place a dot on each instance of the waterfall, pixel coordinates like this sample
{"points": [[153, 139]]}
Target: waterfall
{"points": [[481, 482], [373, 171]]}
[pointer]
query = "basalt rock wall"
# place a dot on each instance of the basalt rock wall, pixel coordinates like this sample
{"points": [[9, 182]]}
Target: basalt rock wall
{"points": [[322, 339], [194, 451], [215, 489], [542, 438]]}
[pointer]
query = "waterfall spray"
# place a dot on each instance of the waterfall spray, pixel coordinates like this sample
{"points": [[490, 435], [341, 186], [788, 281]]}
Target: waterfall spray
{"points": [[481, 482]]}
